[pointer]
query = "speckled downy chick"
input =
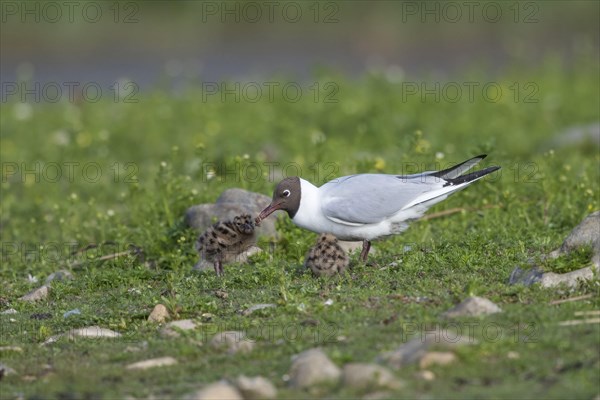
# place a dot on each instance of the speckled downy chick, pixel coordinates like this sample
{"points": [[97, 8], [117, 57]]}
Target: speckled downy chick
{"points": [[226, 240], [326, 258]]}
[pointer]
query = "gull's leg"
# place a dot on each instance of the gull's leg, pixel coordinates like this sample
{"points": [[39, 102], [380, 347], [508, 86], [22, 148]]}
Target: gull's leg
{"points": [[365, 250]]}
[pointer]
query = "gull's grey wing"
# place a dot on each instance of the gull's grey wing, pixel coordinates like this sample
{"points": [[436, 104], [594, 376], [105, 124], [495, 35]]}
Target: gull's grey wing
{"points": [[371, 198]]}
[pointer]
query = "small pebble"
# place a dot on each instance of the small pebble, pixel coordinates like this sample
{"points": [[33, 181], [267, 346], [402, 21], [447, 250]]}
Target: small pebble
{"points": [[257, 307], [378, 396], [437, 358], [312, 367], [171, 329], [233, 341], [71, 312], [413, 350], [94, 332], [159, 314], [37, 294], [153, 362], [425, 375], [60, 275], [4, 349], [255, 388], [473, 307], [362, 376], [207, 317], [216, 391], [90, 332]]}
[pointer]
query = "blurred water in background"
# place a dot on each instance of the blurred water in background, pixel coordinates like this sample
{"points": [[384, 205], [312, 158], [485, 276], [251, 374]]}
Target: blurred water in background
{"points": [[153, 41]]}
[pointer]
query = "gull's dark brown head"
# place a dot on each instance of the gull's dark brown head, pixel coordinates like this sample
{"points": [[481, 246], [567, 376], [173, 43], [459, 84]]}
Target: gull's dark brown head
{"points": [[286, 197]]}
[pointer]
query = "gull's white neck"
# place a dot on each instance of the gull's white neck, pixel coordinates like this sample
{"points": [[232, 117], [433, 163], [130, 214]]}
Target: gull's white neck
{"points": [[309, 214]]}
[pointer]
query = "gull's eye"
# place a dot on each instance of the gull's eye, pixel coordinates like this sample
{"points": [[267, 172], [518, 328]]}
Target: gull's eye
{"points": [[286, 193]]}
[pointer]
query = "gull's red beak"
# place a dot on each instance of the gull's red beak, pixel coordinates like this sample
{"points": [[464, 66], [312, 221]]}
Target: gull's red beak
{"points": [[270, 209]]}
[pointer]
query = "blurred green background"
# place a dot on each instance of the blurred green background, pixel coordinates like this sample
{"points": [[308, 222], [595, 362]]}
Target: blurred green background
{"points": [[385, 86], [173, 47], [144, 41]]}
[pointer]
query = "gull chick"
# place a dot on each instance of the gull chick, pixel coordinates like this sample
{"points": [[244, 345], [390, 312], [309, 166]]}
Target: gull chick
{"points": [[326, 258], [225, 241], [368, 206]]}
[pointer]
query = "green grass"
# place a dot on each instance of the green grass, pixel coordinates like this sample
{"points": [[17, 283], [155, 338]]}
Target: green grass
{"points": [[154, 156]]}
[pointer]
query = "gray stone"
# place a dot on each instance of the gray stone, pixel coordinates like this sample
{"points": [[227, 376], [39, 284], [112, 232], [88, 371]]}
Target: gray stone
{"points": [[362, 376], [172, 328], [60, 275], [246, 254], [473, 307], [415, 349], [230, 203], [525, 276], [584, 234], [233, 341], [159, 314], [410, 352], [255, 388], [152, 363], [570, 279], [577, 135], [535, 274], [9, 311], [312, 367], [216, 391], [37, 294]]}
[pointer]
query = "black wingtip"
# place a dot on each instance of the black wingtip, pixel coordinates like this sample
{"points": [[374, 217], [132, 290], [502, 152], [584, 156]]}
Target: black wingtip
{"points": [[471, 176], [449, 171]]}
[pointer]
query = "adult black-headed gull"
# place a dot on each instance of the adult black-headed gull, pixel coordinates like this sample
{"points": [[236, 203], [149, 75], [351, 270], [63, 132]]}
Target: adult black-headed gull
{"points": [[368, 206]]}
